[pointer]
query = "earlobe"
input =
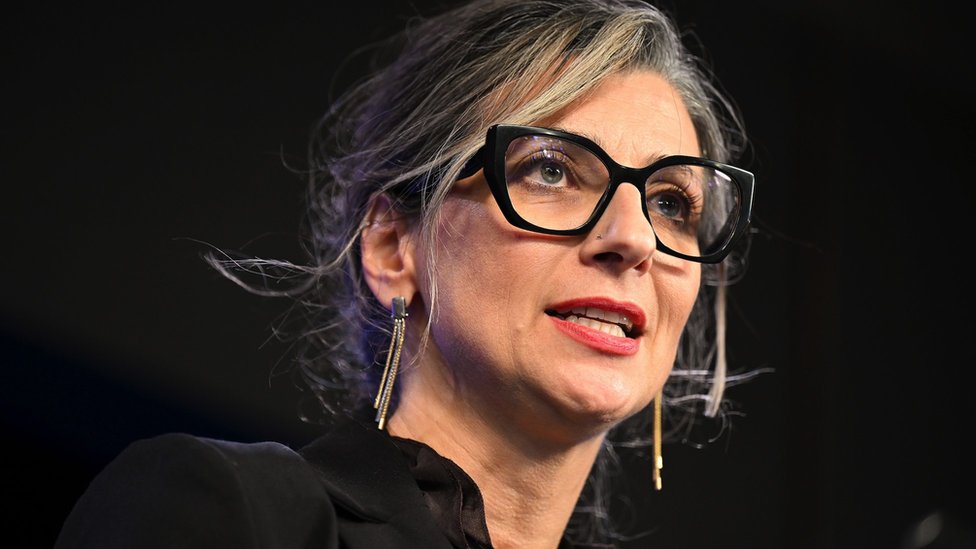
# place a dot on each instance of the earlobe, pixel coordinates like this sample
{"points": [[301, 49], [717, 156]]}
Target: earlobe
{"points": [[387, 251]]}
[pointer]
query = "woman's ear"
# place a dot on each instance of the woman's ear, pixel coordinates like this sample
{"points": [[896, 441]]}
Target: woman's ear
{"points": [[387, 250]]}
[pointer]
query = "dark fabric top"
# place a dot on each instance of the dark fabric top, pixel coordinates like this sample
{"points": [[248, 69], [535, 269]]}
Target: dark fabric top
{"points": [[353, 487], [453, 498]]}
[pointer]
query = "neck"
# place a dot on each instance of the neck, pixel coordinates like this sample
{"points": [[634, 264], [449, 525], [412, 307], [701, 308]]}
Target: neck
{"points": [[530, 484]]}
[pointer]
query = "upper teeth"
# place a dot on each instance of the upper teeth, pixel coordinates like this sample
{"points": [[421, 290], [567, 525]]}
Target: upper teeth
{"points": [[599, 314]]}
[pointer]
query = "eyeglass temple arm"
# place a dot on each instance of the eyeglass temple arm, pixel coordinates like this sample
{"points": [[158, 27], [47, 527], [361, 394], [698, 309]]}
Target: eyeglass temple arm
{"points": [[473, 164]]}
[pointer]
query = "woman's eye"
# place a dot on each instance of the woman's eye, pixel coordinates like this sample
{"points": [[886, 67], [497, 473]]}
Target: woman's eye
{"points": [[551, 172], [548, 168], [671, 205]]}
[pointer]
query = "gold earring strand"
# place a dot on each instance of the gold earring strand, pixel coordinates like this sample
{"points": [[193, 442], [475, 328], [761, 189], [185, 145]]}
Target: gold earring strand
{"points": [[386, 369], [385, 392], [658, 459]]}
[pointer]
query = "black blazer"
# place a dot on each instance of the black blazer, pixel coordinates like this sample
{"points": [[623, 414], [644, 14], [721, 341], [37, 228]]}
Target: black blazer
{"points": [[350, 488]]}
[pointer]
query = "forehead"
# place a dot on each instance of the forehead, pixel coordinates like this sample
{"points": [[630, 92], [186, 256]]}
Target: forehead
{"points": [[636, 117]]}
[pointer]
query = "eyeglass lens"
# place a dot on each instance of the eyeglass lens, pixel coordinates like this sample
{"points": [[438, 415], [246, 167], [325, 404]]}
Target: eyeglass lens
{"points": [[557, 184]]}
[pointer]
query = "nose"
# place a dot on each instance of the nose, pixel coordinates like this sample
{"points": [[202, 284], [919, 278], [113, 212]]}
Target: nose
{"points": [[623, 238]]}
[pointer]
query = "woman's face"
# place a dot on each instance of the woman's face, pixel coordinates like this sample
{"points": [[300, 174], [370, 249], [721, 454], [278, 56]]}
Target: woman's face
{"points": [[494, 334]]}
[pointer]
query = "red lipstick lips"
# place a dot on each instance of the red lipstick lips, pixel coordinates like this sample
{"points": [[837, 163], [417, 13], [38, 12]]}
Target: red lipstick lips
{"points": [[628, 316]]}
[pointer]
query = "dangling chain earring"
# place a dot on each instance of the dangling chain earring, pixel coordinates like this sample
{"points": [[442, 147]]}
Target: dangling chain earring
{"points": [[658, 460], [385, 392]]}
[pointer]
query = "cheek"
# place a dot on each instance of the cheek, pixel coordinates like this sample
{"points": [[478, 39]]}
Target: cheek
{"points": [[491, 281], [678, 294], [690, 289], [472, 277], [481, 259], [466, 260]]}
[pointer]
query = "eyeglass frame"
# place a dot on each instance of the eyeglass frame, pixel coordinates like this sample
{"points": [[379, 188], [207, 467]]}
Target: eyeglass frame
{"points": [[499, 136]]}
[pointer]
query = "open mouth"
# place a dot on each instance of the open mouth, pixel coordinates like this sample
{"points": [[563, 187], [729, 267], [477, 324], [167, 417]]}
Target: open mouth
{"points": [[608, 322]]}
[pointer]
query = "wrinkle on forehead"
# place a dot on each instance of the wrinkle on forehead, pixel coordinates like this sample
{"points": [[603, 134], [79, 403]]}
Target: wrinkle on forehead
{"points": [[637, 150], [660, 112]]}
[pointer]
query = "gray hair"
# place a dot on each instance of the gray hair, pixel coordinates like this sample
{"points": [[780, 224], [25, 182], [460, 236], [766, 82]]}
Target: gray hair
{"points": [[408, 129]]}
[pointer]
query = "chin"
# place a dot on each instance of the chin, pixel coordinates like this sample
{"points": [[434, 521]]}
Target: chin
{"points": [[603, 406]]}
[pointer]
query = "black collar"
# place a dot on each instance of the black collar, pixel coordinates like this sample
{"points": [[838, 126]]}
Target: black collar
{"points": [[366, 475]]}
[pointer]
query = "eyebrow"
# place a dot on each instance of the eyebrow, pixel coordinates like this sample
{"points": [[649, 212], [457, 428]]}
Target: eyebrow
{"points": [[649, 159]]}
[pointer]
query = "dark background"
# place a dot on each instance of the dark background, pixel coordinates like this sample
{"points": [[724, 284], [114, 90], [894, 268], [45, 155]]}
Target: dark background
{"points": [[128, 132]]}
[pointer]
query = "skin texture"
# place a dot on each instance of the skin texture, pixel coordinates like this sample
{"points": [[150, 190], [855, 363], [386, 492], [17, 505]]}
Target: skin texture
{"points": [[521, 405]]}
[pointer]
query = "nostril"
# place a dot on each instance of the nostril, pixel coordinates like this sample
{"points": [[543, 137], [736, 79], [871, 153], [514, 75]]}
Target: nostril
{"points": [[608, 257]]}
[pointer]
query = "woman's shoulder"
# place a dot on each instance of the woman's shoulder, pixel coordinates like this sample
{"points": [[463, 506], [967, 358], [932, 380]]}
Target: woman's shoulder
{"points": [[248, 466], [181, 490], [170, 450], [350, 487], [188, 465]]}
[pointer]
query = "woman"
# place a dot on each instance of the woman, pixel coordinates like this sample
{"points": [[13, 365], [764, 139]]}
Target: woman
{"points": [[534, 192]]}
